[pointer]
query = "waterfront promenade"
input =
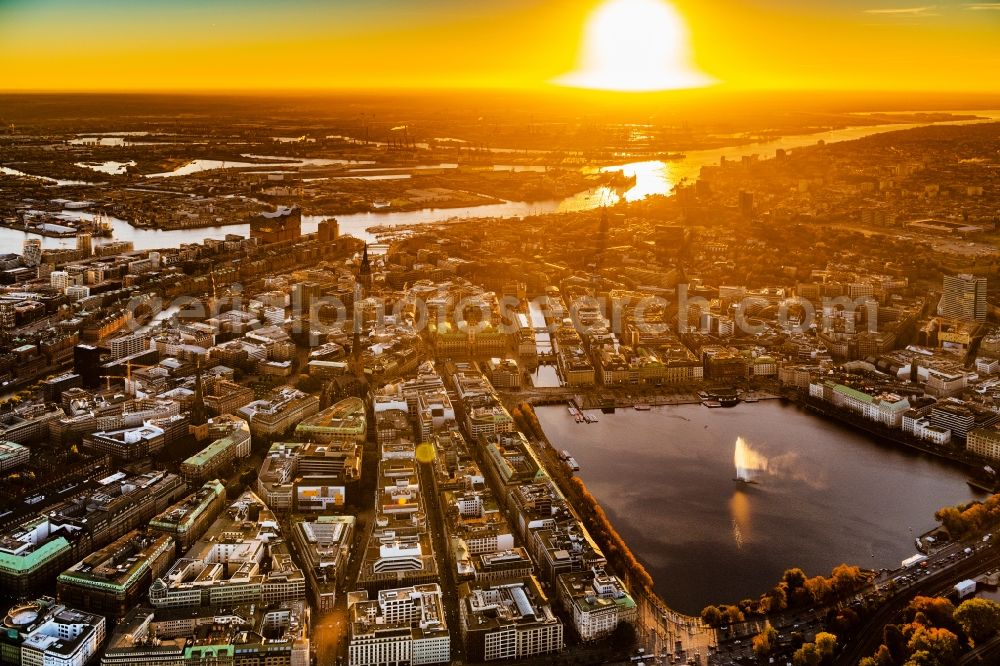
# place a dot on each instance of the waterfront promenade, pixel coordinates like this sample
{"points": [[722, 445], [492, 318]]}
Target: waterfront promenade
{"points": [[660, 630]]}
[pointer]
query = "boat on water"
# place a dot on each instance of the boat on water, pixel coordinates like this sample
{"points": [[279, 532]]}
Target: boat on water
{"points": [[751, 400], [711, 403], [726, 397], [642, 408], [991, 487], [986, 480], [572, 465]]}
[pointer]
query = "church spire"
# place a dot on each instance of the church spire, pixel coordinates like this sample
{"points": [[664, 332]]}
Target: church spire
{"points": [[199, 414], [365, 272]]}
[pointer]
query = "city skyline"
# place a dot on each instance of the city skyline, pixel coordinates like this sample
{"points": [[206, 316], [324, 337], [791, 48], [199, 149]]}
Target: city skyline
{"points": [[399, 333]]}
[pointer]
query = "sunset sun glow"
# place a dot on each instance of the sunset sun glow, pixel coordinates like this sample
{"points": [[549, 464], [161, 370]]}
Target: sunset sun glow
{"points": [[636, 45]]}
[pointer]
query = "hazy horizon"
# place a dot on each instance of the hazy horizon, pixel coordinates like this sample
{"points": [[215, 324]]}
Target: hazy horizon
{"points": [[110, 45]]}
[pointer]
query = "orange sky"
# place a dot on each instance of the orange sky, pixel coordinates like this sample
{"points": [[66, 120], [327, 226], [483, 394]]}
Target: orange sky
{"points": [[310, 44]]}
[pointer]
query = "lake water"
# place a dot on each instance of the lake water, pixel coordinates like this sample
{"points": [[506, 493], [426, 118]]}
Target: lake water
{"points": [[825, 494], [652, 177]]}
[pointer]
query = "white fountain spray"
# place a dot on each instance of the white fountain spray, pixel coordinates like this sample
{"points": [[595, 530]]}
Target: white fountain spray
{"points": [[747, 461]]}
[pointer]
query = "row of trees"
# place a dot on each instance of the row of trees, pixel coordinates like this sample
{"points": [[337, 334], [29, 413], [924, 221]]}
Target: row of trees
{"points": [[972, 519], [935, 633], [527, 421], [794, 590], [616, 550]]}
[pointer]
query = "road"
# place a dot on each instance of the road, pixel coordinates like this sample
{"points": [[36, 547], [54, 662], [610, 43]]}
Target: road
{"points": [[944, 568], [446, 572], [869, 636]]}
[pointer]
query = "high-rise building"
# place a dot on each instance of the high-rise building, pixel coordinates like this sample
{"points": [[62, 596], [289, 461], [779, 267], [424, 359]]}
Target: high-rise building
{"points": [[87, 364], [304, 294], [32, 252], [964, 298], [84, 244], [746, 204], [328, 230]]}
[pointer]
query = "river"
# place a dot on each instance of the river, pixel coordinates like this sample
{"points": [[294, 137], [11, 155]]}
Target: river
{"points": [[825, 494], [652, 177]]}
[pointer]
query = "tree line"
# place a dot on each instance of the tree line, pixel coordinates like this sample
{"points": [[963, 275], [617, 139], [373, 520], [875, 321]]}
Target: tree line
{"points": [[933, 632], [527, 421], [794, 590], [616, 550], [972, 519]]}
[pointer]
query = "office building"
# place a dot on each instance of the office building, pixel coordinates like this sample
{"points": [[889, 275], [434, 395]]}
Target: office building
{"points": [[984, 442], [399, 626], [127, 443], [240, 635], [13, 455], [303, 477], [507, 620], [87, 364], [345, 421], [52, 634], [746, 205], [188, 519], [964, 297], [35, 550], [597, 601], [283, 224], [277, 414], [29, 423], [84, 243], [324, 543], [128, 345], [226, 397], [59, 280], [111, 580], [242, 559], [230, 437]]}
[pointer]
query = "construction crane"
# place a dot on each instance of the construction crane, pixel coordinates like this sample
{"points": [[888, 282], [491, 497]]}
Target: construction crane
{"points": [[129, 386]]}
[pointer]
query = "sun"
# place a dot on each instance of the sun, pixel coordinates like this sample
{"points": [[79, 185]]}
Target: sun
{"points": [[636, 45]]}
